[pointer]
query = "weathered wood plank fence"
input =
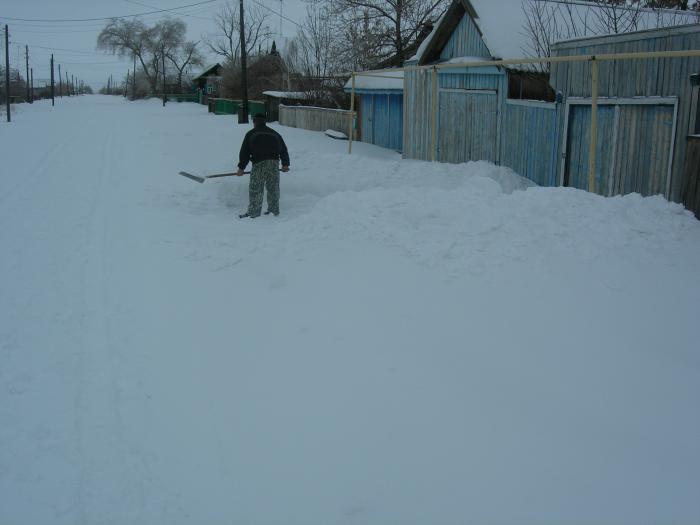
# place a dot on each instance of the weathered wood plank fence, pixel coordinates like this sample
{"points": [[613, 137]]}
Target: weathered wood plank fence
{"points": [[529, 140], [316, 119], [691, 187]]}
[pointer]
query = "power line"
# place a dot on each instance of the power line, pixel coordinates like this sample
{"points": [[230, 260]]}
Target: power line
{"points": [[91, 63], [623, 7], [52, 20], [153, 7], [277, 13], [79, 51], [96, 30]]}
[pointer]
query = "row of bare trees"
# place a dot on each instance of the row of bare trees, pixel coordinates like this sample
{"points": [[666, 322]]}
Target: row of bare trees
{"points": [[335, 36], [162, 45], [338, 36]]}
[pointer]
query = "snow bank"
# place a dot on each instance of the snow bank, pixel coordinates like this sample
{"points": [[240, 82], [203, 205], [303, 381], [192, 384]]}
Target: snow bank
{"points": [[407, 342]]}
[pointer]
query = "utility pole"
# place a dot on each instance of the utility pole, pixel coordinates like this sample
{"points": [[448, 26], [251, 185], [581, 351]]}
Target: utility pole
{"points": [[243, 110], [7, 72], [26, 56], [133, 87], [164, 77], [72, 85], [31, 91], [60, 82], [52, 98]]}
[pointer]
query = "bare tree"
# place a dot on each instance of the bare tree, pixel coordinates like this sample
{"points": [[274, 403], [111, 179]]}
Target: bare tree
{"points": [[550, 22], [616, 16], [227, 42], [360, 41], [148, 44], [166, 37], [400, 20], [315, 43], [124, 37], [183, 56]]}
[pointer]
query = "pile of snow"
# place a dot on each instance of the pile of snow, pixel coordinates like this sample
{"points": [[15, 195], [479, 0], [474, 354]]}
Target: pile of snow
{"points": [[336, 134], [408, 342]]}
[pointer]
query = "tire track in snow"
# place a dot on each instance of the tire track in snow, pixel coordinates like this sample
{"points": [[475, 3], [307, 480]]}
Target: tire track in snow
{"points": [[100, 393]]}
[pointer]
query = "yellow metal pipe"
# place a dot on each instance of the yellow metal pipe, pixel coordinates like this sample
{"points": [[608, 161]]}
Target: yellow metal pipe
{"points": [[540, 60], [352, 115], [594, 126], [594, 59], [433, 127]]}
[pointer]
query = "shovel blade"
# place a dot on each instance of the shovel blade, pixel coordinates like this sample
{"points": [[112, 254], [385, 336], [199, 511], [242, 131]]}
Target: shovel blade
{"points": [[193, 177]]}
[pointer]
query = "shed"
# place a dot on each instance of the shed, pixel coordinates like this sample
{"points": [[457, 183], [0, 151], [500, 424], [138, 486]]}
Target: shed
{"points": [[640, 112], [273, 99], [380, 108]]}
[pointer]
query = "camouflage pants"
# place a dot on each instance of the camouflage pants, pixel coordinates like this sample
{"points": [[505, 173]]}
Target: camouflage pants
{"points": [[264, 175]]}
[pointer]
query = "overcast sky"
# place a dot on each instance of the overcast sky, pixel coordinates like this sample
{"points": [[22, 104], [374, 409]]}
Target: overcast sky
{"points": [[73, 43]]}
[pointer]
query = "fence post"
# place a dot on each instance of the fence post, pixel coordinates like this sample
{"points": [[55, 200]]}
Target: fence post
{"points": [[164, 96], [26, 57], [7, 72], [352, 114], [594, 125], [133, 86], [52, 83], [433, 116]]}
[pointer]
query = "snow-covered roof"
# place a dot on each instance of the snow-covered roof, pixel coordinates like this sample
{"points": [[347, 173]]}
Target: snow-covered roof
{"points": [[206, 70], [378, 82], [503, 23], [292, 95]]}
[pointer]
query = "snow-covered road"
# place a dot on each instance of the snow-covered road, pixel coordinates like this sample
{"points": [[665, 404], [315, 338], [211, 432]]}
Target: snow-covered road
{"points": [[407, 343]]}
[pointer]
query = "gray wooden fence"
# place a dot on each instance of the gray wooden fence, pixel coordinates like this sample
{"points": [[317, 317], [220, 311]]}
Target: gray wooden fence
{"points": [[529, 140], [316, 119]]}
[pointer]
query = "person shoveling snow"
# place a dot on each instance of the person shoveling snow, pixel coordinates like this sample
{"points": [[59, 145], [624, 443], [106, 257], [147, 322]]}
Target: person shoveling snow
{"points": [[264, 147]]}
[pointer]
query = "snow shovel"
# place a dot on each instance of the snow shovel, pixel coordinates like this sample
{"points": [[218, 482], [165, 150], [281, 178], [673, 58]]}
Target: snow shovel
{"points": [[202, 179]]}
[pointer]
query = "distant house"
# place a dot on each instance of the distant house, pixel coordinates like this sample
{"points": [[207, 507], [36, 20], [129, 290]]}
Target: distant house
{"points": [[646, 110], [208, 81], [379, 103]]}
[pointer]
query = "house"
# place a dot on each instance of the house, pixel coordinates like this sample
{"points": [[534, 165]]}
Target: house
{"points": [[208, 81], [456, 114], [379, 102]]}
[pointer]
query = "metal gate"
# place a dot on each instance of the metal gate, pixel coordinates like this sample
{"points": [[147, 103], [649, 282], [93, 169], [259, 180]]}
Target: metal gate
{"points": [[634, 150], [468, 125]]}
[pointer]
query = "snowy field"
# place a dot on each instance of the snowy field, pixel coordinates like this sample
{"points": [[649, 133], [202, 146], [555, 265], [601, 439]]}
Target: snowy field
{"points": [[408, 343]]}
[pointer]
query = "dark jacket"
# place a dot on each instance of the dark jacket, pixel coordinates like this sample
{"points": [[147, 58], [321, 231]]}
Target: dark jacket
{"points": [[263, 143]]}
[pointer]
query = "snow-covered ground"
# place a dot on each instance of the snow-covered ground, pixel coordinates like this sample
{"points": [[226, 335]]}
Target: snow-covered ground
{"points": [[408, 343]]}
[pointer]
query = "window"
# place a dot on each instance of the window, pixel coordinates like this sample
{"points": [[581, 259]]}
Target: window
{"points": [[529, 85]]}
